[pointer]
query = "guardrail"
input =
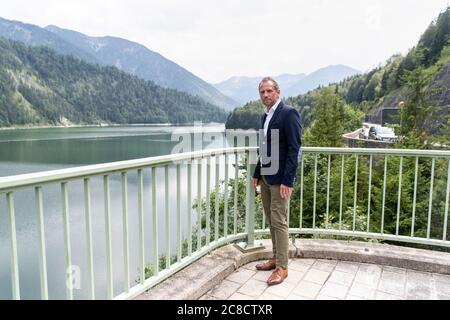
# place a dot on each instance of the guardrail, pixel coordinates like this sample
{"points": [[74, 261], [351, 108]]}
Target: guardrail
{"points": [[340, 192]]}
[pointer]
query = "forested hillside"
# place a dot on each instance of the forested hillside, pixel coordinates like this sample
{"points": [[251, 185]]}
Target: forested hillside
{"points": [[428, 62], [39, 86], [127, 56], [432, 51], [138, 60]]}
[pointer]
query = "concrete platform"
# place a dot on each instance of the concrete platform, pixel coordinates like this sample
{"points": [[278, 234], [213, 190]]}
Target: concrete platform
{"points": [[329, 269]]}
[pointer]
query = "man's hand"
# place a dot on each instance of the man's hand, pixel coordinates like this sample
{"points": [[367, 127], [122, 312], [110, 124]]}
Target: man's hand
{"points": [[285, 191], [255, 183]]}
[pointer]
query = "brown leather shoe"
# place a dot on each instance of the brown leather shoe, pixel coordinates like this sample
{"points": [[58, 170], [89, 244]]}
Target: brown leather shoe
{"points": [[268, 265], [277, 276]]}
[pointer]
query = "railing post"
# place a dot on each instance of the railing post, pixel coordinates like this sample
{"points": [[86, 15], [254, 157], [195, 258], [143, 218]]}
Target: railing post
{"points": [[430, 201], [216, 199], [315, 191], [155, 225], [14, 256], [67, 247], [126, 243], [236, 178], [369, 192], [189, 207], [108, 240], [301, 194], [41, 239], [90, 251], [447, 196], [167, 213], [250, 245], [225, 198], [250, 203], [179, 235], [199, 204], [140, 189]]}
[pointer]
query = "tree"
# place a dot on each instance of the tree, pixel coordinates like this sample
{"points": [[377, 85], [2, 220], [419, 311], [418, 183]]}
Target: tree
{"points": [[418, 108], [441, 36], [328, 126]]}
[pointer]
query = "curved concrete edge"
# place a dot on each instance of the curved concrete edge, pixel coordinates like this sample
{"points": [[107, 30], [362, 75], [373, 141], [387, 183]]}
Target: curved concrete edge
{"points": [[201, 276], [376, 253], [198, 278]]}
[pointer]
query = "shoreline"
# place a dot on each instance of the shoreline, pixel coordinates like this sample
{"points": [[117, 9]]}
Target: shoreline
{"points": [[108, 125]]}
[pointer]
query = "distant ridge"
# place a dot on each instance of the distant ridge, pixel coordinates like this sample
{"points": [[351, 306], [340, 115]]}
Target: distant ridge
{"points": [[244, 89], [320, 77]]}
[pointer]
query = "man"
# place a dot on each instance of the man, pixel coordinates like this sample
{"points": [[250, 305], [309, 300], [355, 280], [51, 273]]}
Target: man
{"points": [[275, 172]]}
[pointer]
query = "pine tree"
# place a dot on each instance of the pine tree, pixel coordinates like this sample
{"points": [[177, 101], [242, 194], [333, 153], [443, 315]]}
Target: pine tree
{"points": [[418, 110], [442, 35], [328, 126]]}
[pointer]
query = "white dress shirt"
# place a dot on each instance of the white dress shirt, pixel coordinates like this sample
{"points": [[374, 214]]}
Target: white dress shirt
{"points": [[269, 113]]}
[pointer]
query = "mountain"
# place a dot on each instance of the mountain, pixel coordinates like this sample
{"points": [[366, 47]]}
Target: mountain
{"points": [[40, 86], [136, 59], [36, 36], [321, 77], [128, 56], [244, 89]]}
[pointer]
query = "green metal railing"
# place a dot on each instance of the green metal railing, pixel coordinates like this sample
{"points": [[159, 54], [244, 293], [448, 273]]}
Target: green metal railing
{"points": [[335, 185], [383, 156]]}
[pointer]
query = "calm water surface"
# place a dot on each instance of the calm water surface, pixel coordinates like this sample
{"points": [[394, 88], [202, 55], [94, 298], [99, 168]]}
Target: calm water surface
{"points": [[34, 150]]}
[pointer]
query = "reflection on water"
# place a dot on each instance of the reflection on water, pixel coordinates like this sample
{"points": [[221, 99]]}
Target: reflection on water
{"points": [[80, 146], [32, 150]]}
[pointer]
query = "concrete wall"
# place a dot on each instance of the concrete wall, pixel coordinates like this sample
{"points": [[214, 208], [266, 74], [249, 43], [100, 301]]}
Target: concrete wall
{"points": [[352, 140]]}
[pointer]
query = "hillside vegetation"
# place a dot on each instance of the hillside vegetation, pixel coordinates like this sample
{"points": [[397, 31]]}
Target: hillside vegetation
{"points": [[39, 86]]}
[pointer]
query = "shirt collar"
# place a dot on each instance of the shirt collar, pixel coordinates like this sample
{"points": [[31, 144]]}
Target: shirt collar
{"points": [[273, 108]]}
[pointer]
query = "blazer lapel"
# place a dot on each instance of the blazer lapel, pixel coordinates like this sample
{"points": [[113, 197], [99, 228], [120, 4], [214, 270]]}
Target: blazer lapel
{"points": [[275, 115], [263, 119]]}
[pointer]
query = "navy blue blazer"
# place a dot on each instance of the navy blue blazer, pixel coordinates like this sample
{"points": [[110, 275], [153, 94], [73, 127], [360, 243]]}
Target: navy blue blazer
{"points": [[287, 120]]}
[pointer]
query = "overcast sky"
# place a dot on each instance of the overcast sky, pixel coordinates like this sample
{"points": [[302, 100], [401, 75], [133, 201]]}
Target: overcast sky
{"points": [[217, 39]]}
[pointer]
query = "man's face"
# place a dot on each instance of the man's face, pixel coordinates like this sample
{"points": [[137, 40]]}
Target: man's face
{"points": [[268, 94]]}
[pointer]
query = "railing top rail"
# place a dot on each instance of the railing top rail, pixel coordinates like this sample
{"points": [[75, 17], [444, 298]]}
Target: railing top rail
{"points": [[45, 177], [369, 151], [23, 180]]}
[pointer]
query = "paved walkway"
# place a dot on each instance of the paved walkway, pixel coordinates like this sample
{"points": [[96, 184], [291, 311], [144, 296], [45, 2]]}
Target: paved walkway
{"points": [[322, 279]]}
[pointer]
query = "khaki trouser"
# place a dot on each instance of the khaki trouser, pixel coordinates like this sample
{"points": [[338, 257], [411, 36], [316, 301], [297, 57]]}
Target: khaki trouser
{"points": [[275, 211]]}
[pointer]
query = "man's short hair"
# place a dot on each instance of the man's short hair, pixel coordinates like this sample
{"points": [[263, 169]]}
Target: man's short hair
{"points": [[267, 79]]}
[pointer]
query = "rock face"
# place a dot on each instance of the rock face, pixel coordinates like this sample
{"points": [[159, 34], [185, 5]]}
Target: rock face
{"points": [[387, 112], [442, 81], [65, 122]]}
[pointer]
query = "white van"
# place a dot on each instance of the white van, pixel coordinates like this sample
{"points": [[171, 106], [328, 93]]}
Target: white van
{"points": [[382, 134]]}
